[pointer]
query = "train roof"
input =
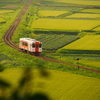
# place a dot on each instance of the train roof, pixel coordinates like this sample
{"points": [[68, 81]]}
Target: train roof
{"points": [[29, 40]]}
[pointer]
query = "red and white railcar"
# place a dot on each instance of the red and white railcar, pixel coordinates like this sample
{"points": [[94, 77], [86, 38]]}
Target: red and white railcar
{"points": [[31, 45]]}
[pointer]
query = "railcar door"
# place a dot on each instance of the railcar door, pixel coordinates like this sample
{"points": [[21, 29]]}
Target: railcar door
{"points": [[37, 47]]}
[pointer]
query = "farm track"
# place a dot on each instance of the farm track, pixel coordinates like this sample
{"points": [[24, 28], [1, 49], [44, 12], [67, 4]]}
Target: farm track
{"points": [[8, 39]]}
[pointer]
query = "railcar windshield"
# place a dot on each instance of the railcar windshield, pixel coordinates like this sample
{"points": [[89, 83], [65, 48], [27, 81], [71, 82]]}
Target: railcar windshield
{"points": [[33, 45], [37, 45], [40, 45]]}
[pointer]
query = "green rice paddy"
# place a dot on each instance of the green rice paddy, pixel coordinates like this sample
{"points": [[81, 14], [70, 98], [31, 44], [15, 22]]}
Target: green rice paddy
{"points": [[45, 13], [2, 20], [64, 24], [58, 86], [91, 10], [97, 29], [83, 2], [91, 63], [83, 15], [88, 42], [5, 11]]}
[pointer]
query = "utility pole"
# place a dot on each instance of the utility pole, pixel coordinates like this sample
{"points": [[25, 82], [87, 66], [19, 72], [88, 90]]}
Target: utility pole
{"points": [[78, 62]]}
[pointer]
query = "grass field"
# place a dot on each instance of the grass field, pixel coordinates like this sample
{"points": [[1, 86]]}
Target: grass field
{"points": [[83, 2], [91, 10], [58, 85], [88, 42], [64, 24], [81, 15], [51, 13]]}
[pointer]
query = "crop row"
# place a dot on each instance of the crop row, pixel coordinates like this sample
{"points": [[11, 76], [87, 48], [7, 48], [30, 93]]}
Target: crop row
{"points": [[54, 42]]}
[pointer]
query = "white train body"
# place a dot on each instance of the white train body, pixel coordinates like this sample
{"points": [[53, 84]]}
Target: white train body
{"points": [[31, 45]]}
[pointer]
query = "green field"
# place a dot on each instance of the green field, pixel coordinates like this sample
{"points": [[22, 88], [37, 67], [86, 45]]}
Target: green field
{"points": [[91, 63], [2, 20], [91, 10], [97, 29], [50, 13], [83, 2], [64, 24], [58, 40], [83, 15], [88, 42], [58, 85], [5, 11]]}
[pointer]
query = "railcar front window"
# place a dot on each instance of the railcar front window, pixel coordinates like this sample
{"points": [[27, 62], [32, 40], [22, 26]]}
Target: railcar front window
{"points": [[36, 46], [33, 45], [40, 45]]}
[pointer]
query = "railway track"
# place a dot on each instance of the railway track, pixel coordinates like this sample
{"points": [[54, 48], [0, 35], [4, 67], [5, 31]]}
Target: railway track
{"points": [[8, 35], [8, 39], [79, 67]]}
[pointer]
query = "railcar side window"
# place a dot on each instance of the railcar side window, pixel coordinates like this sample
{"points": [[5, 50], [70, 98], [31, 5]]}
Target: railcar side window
{"points": [[25, 44]]}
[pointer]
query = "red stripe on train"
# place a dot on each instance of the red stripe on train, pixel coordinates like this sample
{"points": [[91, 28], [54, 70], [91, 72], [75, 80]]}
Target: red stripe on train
{"points": [[37, 47]]}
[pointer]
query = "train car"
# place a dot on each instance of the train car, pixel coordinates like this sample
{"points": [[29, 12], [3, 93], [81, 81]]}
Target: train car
{"points": [[31, 45]]}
